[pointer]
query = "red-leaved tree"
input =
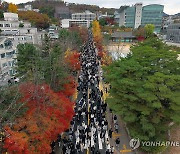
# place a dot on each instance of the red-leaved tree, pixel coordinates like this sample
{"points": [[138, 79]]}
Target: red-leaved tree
{"points": [[48, 115]]}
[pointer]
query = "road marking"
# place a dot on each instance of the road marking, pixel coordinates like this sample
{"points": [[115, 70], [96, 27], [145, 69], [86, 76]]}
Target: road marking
{"points": [[125, 150], [114, 135], [88, 118], [87, 150], [124, 146]]}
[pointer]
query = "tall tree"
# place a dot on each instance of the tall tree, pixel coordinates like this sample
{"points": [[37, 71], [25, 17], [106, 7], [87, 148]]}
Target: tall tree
{"points": [[149, 29], [26, 58], [102, 22], [71, 38], [12, 8], [48, 115], [146, 90], [37, 19]]}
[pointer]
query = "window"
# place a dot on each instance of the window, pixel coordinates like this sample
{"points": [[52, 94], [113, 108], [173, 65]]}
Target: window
{"points": [[13, 52], [28, 30], [7, 25], [3, 55], [11, 72], [1, 46], [8, 54], [1, 25], [9, 63], [4, 64]]}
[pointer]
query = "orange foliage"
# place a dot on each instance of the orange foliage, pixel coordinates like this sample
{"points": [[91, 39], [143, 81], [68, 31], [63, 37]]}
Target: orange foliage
{"points": [[72, 58], [82, 31], [12, 8], [37, 19], [96, 29], [69, 87], [48, 115]]}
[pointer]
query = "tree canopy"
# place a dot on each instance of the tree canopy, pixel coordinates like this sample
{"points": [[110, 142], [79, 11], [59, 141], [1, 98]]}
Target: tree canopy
{"points": [[146, 90], [48, 115], [149, 29], [26, 58], [12, 8], [37, 19]]}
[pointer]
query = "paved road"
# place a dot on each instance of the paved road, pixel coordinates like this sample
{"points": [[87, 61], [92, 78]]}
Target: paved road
{"points": [[89, 131]]}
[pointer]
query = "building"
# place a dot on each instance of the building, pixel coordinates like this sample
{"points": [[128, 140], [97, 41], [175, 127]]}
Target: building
{"points": [[18, 31], [7, 58], [168, 20], [10, 16], [53, 32], [165, 23], [14, 32], [66, 23], [87, 15], [152, 14], [173, 33], [116, 16], [28, 8], [134, 16], [62, 12], [123, 37]]}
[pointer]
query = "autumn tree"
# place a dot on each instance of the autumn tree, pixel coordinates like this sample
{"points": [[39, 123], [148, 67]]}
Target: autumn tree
{"points": [[98, 39], [140, 33], [145, 90], [48, 115], [96, 31], [37, 19], [12, 8], [72, 59], [110, 21]]}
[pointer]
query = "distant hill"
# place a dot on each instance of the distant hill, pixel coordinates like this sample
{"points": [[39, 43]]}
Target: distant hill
{"points": [[72, 6]]}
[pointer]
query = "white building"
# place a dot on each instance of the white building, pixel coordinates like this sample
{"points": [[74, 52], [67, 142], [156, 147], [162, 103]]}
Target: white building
{"points": [[14, 32], [66, 23], [10, 16], [87, 15], [138, 15], [7, 58], [28, 8], [18, 31], [53, 32]]}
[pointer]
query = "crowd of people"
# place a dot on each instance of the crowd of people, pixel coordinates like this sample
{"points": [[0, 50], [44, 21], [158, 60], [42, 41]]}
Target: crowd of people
{"points": [[89, 129]]}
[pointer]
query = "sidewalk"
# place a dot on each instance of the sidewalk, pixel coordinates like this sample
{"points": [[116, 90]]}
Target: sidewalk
{"points": [[122, 132]]}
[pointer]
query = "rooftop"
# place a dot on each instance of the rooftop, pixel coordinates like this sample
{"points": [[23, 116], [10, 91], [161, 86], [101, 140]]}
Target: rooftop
{"points": [[123, 35]]}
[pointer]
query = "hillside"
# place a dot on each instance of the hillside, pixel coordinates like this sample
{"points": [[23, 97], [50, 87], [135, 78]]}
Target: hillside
{"points": [[72, 6]]}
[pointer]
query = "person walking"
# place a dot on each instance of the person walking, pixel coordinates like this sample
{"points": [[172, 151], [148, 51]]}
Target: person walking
{"points": [[110, 132], [116, 128], [117, 141]]}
